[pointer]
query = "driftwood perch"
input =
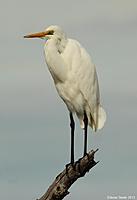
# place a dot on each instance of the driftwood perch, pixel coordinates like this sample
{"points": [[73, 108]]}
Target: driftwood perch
{"points": [[59, 188]]}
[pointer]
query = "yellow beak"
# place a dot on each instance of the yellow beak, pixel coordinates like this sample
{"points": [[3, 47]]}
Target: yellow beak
{"points": [[36, 35]]}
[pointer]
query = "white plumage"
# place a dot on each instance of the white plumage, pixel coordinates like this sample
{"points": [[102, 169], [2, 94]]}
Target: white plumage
{"points": [[75, 77]]}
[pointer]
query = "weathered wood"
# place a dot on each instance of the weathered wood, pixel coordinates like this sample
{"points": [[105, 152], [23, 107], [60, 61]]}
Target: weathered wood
{"points": [[59, 188]]}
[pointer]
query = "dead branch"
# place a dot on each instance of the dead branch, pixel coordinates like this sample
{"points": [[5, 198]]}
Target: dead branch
{"points": [[59, 188]]}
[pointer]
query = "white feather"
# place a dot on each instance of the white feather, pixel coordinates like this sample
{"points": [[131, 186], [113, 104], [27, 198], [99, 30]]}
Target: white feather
{"points": [[75, 77]]}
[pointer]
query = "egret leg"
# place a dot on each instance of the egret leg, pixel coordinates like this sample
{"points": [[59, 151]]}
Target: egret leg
{"points": [[72, 125], [85, 133]]}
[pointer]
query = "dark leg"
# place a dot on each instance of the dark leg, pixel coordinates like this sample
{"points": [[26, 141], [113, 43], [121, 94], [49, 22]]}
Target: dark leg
{"points": [[72, 125], [85, 133]]}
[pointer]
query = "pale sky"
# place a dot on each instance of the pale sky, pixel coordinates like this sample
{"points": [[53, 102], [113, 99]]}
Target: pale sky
{"points": [[34, 122]]}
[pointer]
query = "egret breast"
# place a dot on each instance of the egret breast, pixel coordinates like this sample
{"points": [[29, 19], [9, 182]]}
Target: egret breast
{"points": [[71, 95]]}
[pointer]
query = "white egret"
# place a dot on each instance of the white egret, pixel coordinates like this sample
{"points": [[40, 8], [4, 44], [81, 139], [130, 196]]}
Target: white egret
{"points": [[75, 79]]}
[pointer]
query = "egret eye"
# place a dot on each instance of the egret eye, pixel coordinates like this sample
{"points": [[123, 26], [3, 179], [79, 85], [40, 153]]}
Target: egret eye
{"points": [[51, 32]]}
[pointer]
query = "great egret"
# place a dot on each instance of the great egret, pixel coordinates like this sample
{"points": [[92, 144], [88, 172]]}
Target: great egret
{"points": [[75, 79]]}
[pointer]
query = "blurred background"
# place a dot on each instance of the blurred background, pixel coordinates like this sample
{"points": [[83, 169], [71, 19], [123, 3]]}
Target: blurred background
{"points": [[34, 122]]}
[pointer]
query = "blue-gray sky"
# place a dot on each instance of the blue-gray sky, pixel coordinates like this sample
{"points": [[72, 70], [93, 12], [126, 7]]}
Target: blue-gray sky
{"points": [[34, 126]]}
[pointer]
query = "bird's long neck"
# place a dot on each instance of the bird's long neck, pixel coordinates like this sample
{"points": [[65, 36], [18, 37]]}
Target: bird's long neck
{"points": [[61, 45], [53, 50]]}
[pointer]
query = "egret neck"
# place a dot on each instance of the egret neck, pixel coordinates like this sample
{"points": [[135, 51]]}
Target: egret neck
{"points": [[54, 48]]}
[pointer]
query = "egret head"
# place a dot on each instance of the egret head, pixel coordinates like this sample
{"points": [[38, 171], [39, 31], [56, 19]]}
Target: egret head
{"points": [[48, 33]]}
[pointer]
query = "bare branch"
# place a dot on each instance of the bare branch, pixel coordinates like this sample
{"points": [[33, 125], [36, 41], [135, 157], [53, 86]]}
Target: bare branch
{"points": [[59, 188]]}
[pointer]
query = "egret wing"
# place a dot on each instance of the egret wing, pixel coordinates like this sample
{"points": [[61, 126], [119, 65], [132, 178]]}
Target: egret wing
{"points": [[86, 76]]}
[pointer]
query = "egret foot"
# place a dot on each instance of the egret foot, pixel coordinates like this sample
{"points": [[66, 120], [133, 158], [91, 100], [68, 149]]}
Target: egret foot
{"points": [[73, 165], [79, 167]]}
